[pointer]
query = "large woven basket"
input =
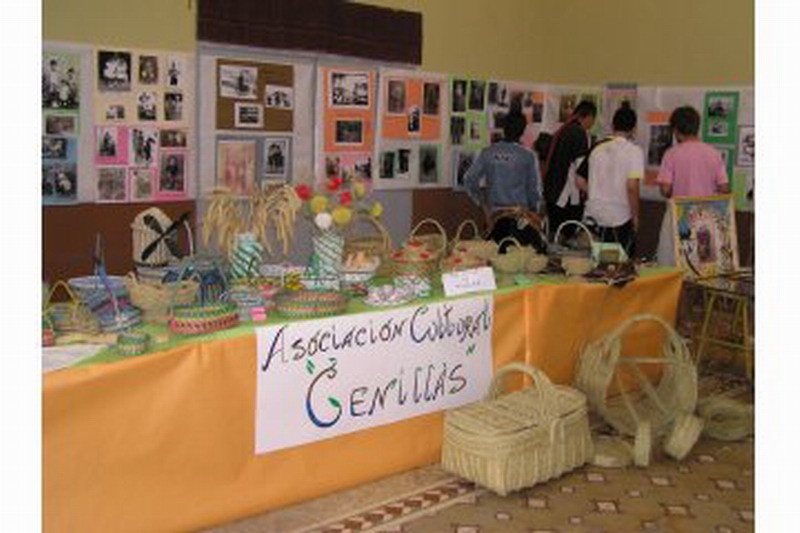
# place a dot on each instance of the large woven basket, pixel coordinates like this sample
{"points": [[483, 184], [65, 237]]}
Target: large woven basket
{"points": [[661, 404], [511, 441], [421, 254], [475, 247], [156, 299], [357, 238]]}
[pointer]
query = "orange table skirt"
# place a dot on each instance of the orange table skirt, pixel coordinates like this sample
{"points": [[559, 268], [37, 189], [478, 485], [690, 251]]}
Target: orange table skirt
{"points": [[165, 442]]}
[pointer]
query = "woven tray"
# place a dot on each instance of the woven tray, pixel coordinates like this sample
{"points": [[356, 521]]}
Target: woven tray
{"points": [[310, 304], [200, 319], [516, 440]]}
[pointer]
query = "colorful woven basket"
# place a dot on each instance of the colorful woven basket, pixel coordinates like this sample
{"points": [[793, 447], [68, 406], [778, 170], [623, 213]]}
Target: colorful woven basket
{"points": [[204, 318], [156, 299], [132, 343], [309, 304], [71, 316]]}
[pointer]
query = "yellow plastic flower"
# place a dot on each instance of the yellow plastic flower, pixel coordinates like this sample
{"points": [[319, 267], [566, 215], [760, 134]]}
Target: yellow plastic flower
{"points": [[318, 204], [376, 210], [342, 215], [359, 189]]}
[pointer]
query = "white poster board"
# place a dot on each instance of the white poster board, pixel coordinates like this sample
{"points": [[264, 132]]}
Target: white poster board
{"points": [[318, 379]]}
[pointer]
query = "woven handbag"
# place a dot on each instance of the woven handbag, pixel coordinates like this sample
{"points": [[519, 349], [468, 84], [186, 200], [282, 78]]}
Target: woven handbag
{"points": [[515, 440]]}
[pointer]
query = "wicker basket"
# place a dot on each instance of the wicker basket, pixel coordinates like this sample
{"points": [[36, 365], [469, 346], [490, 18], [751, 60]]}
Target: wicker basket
{"points": [[435, 242], [204, 318], [143, 235], [378, 243], [71, 316], [516, 440], [156, 299], [132, 343], [455, 263], [310, 304], [475, 247], [421, 254], [515, 259], [673, 396]]}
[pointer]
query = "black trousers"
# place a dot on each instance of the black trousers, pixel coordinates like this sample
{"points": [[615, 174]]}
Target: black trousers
{"points": [[558, 215], [624, 235], [508, 226]]}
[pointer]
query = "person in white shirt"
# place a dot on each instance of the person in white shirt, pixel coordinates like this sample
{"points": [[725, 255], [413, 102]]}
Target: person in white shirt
{"points": [[610, 176]]}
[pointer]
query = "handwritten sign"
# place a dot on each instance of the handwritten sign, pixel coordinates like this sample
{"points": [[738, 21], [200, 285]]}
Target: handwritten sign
{"points": [[468, 281], [317, 379]]}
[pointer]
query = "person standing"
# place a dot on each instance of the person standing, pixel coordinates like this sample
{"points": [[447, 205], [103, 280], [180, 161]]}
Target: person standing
{"points": [[690, 168], [569, 144], [610, 175]]}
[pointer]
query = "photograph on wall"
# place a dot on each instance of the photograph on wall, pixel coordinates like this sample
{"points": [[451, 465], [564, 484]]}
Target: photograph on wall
{"points": [[746, 147], [115, 113], [144, 145], [173, 106], [111, 145], [742, 189], [59, 170], [458, 126], [431, 95], [566, 106], [462, 161], [60, 80], [107, 143], [458, 98], [349, 132], [172, 174], [705, 235], [148, 70], [172, 138], [66, 124], [237, 81], [660, 142], [140, 183], [498, 94], [474, 131], [113, 71], [112, 184], [413, 120], [147, 106], [276, 159], [387, 165], [278, 97], [477, 92], [428, 164], [236, 165], [176, 72], [403, 163], [727, 155], [615, 95], [720, 117], [396, 101], [54, 147], [248, 115], [349, 166], [349, 89]]}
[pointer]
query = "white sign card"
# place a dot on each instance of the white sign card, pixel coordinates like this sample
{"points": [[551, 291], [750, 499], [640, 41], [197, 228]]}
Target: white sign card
{"points": [[318, 379], [468, 281]]}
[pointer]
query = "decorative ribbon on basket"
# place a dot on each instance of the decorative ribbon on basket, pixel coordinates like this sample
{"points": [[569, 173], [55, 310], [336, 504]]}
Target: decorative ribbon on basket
{"points": [[510, 441], [421, 253], [246, 257]]}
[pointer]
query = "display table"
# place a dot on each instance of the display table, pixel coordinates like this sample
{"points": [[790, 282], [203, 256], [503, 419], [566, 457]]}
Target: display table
{"points": [[165, 441]]}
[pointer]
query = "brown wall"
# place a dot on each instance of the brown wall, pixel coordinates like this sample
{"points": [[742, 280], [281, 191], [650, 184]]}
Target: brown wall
{"points": [[69, 232]]}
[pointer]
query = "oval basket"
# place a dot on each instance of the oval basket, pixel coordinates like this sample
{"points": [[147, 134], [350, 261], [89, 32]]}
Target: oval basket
{"points": [[156, 298], [421, 254], [673, 396], [476, 247], [310, 304], [204, 318]]}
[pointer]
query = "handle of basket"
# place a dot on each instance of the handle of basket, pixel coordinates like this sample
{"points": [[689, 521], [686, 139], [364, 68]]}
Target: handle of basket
{"points": [[70, 293], [614, 339], [384, 233], [438, 227], [572, 223], [189, 237], [544, 387], [467, 223], [510, 239]]}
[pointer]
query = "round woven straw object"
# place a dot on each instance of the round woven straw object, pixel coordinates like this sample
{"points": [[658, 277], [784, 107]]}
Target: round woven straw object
{"points": [[576, 266], [726, 419], [536, 263], [611, 452], [683, 436], [643, 444]]}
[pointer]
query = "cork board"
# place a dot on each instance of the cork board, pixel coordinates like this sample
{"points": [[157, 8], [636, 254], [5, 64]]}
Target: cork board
{"points": [[254, 96]]}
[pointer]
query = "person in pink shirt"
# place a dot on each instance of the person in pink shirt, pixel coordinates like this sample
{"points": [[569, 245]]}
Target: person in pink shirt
{"points": [[690, 168]]}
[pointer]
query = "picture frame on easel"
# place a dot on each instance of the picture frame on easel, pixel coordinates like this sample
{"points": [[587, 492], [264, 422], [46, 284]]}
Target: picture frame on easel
{"points": [[704, 230]]}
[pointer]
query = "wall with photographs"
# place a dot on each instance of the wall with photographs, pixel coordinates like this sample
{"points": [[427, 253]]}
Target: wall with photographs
{"points": [[681, 42]]}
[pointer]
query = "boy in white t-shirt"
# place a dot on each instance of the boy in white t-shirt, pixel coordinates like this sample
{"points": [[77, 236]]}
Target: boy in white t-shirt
{"points": [[610, 176]]}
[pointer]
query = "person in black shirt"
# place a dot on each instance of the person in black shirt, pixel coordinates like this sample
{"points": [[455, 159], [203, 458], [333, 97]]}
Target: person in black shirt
{"points": [[569, 144]]}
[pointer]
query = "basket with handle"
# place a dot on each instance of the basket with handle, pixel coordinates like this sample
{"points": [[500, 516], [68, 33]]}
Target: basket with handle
{"points": [[70, 316], [575, 262], [421, 253], [154, 237], [514, 440], [377, 243], [156, 299], [476, 247], [514, 259], [660, 404]]}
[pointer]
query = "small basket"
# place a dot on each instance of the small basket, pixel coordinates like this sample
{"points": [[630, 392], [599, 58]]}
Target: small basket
{"points": [[476, 247], [204, 318], [435, 242], [377, 244], [456, 263], [575, 262], [71, 316], [156, 299], [131, 343], [514, 260], [536, 263], [310, 304], [516, 440], [421, 254]]}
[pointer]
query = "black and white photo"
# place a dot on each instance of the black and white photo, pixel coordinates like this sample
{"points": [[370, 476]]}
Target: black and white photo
{"points": [[173, 106], [660, 141], [176, 70], [387, 165], [107, 142], [248, 115], [60, 181], [140, 183], [276, 159], [111, 184], [428, 163], [459, 97], [171, 175], [403, 162], [458, 126], [413, 120], [148, 70], [237, 81], [278, 97], [477, 90], [462, 161], [54, 147], [144, 142], [349, 89], [349, 132], [113, 71], [115, 112], [746, 150], [60, 82], [397, 97], [172, 138], [147, 106], [430, 98], [60, 124], [474, 131]]}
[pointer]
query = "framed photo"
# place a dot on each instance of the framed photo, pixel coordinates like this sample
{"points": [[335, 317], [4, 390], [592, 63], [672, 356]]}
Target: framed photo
{"points": [[660, 142], [236, 165], [176, 72], [237, 81], [413, 120], [477, 91], [248, 115], [387, 165], [349, 132], [462, 161], [172, 138], [173, 106], [403, 163], [278, 97], [112, 184], [140, 183], [428, 164], [113, 71], [704, 230], [746, 147], [349, 89], [54, 147], [459, 96], [458, 127], [60, 124], [144, 145], [107, 143], [60, 81], [147, 106], [396, 97], [720, 117], [115, 112], [431, 94], [276, 160], [172, 174], [148, 70], [59, 182]]}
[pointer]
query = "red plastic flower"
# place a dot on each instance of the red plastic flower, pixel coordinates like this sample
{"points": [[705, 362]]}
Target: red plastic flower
{"points": [[334, 184], [304, 191], [345, 198]]}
